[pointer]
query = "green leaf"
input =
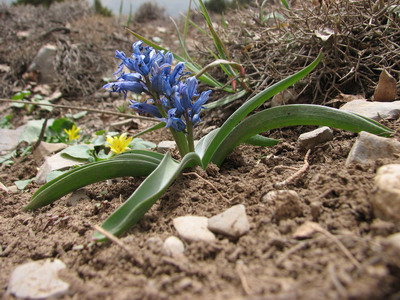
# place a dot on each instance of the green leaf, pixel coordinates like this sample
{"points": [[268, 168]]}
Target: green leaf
{"points": [[21, 95], [292, 115], [226, 100], [54, 174], [32, 130], [285, 4], [133, 163], [22, 184], [141, 144], [77, 152], [151, 189], [220, 137], [259, 140]]}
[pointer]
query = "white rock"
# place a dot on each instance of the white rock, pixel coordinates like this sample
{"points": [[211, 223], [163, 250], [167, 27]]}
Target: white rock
{"points": [[51, 163], [165, 146], [38, 280], [369, 147], [173, 247], [44, 63], [193, 228], [313, 138], [374, 110], [232, 222], [393, 240], [10, 138], [272, 196], [386, 199]]}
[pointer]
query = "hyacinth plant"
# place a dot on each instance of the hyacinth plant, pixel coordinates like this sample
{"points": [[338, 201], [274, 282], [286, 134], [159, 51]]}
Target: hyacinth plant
{"points": [[173, 98]]}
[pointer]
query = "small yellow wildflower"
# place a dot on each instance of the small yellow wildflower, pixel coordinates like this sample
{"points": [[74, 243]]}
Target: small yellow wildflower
{"points": [[119, 144], [73, 133]]}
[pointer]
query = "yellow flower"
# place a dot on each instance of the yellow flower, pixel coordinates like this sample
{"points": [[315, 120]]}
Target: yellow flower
{"points": [[73, 133], [119, 144]]}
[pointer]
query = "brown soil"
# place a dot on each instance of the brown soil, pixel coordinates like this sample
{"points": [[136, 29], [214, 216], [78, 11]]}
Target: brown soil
{"points": [[348, 259]]}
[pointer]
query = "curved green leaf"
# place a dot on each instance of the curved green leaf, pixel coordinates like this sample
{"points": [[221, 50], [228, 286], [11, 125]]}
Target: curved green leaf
{"points": [[134, 163], [249, 106], [297, 114], [151, 189]]}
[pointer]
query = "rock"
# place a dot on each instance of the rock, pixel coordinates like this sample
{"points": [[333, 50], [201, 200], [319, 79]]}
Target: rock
{"points": [[306, 230], [173, 247], [273, 196], [232, 222], [165, 146], [193, 228], [10, 138], [51, 163], [44, 64], [285, 97], [374, 110], [386, 198], [45, 149], [386, 89], [313, 138], [4, 68], [38, 280], [393, 240], [369, 147]]}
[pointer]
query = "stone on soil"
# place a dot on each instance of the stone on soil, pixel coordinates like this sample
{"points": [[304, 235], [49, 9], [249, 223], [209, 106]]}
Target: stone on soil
{"points": [[165, 146], [10, 138], [43, 63], [193, 228], [374, 110], [173, 247], [386, 198], [232, 222], [38, 280], [386, 89], [369, 147], [273, 196], [45, 149], [313, 138]]}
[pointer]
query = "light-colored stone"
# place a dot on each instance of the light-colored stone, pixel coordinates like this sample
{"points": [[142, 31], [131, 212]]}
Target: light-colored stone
{"points": [[313, 138], [232, 222], [393, 240], [44, 63], [38, 280], [10, 138], [165, 146], [272, 196], [193, 228], [173, 247], [287, 96], [386, 198], [51, 163], [374, 110], [369, 147]]}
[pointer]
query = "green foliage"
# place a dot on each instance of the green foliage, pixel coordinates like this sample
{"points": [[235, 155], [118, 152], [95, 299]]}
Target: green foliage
{"points": [[162, 170], [46, 3], [100, 9]]}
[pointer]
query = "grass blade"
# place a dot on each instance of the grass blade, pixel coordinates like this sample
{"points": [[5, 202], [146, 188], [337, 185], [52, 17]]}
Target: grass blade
{"points": [[151, 189], [251, 105], [135, 163], [293, 115]]}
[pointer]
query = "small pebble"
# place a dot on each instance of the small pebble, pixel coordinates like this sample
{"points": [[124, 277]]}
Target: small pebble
{"points": [[173, 247], [386, 199], [232, 222], [193, 228], [313, 138], [38, 280]]}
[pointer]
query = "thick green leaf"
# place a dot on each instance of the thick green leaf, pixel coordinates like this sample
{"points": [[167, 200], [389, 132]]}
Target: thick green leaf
{"points": [[226, 100], [297, 114], [151, 189], [134, 163], [248, 107], [259, 140]]}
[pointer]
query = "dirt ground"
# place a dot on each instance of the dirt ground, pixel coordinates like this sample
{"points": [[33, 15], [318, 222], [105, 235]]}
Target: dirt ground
{"points": [[347, 259]]}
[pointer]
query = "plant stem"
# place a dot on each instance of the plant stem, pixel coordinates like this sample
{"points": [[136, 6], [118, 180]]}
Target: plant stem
{"points": [[189, 127]]}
